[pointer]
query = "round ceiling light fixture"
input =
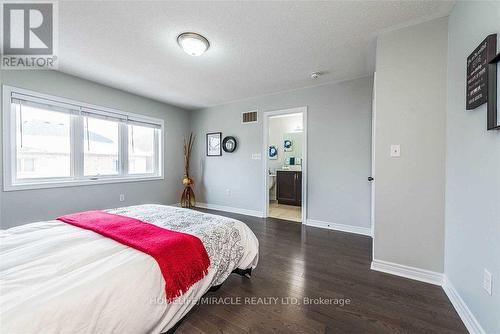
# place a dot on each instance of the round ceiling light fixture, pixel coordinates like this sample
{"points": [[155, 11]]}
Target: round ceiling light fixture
{"points": [[315, 75], [192, 43]]}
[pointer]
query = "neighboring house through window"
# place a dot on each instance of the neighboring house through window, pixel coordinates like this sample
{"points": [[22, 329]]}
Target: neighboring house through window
{"points": [[51, 142]]}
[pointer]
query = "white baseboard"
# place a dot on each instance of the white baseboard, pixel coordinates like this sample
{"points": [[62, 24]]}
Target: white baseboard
{"points": [[462, 309], [418, 274], [432, 277], [340, 227], [240, 211]]}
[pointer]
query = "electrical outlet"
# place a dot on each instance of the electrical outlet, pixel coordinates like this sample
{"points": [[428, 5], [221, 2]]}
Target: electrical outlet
{"points": [[122, 197], [487, 281], [228, 192]]}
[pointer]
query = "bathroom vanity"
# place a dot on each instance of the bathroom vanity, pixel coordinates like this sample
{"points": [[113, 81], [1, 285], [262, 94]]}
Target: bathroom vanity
{"points": [[289, 187]]}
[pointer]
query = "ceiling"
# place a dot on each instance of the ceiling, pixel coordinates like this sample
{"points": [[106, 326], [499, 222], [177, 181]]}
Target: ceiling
{"points": [[257, 48]]}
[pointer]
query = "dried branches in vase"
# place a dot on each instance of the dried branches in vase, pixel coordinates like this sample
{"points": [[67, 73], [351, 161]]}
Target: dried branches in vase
{"points": [[187, 198]]}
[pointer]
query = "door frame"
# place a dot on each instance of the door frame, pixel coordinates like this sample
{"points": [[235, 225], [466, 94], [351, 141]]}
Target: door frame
{"points": [[373, 157], [265, 144]]}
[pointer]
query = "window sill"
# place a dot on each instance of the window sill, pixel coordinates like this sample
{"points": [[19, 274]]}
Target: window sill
{"points": [[73, 183]]}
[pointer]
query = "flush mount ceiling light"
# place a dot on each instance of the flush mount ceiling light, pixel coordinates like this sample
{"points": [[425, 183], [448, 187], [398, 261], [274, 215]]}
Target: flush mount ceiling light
{"points": [[315, 75], [192, 43]]}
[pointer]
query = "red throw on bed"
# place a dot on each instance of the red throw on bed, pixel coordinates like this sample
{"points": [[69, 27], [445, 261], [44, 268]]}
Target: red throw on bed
{"points": [[182, 257]]}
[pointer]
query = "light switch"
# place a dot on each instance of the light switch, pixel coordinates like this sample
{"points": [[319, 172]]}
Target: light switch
{"points": [[395, 151], [487, 281], [255, 156]]}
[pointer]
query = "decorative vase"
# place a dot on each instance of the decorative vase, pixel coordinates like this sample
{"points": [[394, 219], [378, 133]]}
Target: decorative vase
{"points": [[188, 198]]}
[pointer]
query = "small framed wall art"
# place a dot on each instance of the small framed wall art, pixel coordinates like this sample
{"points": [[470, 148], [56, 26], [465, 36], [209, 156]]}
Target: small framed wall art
{"points": [[478, 71], [214, 145], [273, 152], [494, 94]]}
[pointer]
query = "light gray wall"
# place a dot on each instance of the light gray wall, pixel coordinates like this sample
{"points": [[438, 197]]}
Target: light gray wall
{"points": [[339, 146], [18, 207], [473, 172], [411, 111]]}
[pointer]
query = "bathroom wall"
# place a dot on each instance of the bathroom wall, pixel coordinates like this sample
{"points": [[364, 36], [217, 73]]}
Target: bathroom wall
{"points": [[291, 127]]}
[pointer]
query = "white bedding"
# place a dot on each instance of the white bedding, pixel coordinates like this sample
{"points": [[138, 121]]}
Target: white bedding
{"points": [[58, 278]]}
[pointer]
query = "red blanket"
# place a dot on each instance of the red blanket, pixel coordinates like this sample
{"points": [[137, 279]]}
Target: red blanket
{"points": [[182, 257]]}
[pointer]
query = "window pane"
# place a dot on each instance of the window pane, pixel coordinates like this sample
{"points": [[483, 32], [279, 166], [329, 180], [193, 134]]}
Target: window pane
{"points": [[100, 147], [141, 149], [42, 143]]}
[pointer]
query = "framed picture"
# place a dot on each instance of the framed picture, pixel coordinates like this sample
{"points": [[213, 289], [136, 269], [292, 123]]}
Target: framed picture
{"points": [[214, 147], [494, 94], [273, 152], [477, 72], [287, 145]]}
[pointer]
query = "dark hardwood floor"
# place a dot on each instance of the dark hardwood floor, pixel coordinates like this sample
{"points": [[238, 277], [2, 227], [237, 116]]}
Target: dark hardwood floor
{"points": [[306, 262]]}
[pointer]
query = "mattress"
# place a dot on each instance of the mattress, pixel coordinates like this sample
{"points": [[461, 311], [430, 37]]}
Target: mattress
{"points": [[58, 278]]}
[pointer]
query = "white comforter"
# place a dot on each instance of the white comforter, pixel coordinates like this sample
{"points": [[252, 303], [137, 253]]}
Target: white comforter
{"points": [[58, 278]]}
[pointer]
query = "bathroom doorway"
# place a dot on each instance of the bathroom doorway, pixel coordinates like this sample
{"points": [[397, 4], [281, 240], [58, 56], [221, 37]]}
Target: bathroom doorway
{"points": [[285, 148]]}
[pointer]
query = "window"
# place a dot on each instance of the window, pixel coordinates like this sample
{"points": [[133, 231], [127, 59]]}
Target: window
{"points": [[100, 147], [141, 149], [42, 142], [52, 142], [27, 165]]}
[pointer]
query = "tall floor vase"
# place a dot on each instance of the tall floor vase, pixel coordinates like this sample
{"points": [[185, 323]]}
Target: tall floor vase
{"points": [[188, 199]]}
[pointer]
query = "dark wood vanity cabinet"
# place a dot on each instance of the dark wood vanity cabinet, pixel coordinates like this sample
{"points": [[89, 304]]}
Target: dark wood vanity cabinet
{"points": [[289, 187]]}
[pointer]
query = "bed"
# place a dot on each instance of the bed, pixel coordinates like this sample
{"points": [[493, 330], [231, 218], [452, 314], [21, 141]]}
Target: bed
{"points": [[55, 277]]}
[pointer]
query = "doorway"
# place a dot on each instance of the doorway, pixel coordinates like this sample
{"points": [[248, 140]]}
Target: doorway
{"points": [[285, 164]]}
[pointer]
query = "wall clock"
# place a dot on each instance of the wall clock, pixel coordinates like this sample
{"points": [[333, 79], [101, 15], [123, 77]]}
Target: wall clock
{"points": [[229, 144]]}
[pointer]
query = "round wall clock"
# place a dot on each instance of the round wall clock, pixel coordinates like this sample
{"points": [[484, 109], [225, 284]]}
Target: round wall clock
{"points": [[229, 144]]}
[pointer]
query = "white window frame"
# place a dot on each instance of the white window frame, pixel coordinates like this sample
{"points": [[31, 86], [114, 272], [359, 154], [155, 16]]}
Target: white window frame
{"points": [[77, 177]]}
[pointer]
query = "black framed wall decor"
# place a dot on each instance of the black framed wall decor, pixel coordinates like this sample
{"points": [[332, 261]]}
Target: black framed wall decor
{"points": [[214, 144], [494, 93], [229, 144], [478, 72]]}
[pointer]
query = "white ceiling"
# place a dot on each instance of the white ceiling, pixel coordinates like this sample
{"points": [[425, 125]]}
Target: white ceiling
{"points": [[257, 48]]}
